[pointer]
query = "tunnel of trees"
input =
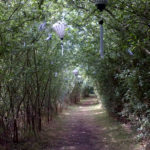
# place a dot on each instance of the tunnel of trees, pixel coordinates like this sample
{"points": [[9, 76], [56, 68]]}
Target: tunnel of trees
{"points": [[36, 81]]}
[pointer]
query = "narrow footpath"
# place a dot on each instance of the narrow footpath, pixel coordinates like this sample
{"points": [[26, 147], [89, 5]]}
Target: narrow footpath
{"points": [[86, 126]]}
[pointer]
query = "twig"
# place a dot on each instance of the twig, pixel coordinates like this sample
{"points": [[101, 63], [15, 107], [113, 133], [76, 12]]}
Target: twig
{"points": [[147, 51]]}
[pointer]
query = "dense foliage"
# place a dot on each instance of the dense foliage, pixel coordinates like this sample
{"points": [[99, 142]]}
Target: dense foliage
{"points": [[122, 77], [36, 79]]}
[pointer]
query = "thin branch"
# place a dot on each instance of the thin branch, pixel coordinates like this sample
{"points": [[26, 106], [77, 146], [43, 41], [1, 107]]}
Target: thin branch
{"points": [[147, 51], [110, 12]]}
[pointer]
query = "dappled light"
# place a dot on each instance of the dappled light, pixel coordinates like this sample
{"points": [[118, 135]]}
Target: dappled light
{"points": [[89, 127], [74, 75]]}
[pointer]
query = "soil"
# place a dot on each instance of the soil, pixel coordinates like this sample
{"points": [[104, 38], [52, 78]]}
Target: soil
{"points": [[85, 126], [88, 127]]}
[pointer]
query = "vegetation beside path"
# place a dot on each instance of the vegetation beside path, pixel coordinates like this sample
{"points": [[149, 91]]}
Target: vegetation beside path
{"points": [[36, 80], [86, 126]]}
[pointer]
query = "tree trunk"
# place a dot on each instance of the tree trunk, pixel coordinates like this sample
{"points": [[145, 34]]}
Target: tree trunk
{"points": [[15, 137]]}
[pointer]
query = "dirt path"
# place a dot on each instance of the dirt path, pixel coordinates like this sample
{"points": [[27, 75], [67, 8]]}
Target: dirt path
{"points": [[85, 127], [88, 127], [79, 129]]}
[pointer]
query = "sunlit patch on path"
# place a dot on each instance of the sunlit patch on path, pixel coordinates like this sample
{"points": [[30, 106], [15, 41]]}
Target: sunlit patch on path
{"points": [[88, 127]]}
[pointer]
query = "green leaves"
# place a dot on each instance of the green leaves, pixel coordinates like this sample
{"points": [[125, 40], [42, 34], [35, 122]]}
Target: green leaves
{"points": [[29, 63]]}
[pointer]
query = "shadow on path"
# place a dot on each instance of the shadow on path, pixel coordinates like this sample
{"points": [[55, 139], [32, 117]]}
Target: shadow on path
{"points": [[85, 126], [88, 127]]}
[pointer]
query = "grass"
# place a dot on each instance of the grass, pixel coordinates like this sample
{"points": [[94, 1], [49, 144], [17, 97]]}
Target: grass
{"points": [[115, 134], [110, 133]]}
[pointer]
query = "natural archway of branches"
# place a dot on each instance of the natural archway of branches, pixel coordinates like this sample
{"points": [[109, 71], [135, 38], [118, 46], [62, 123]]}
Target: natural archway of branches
{"points": [[37, 82]]}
